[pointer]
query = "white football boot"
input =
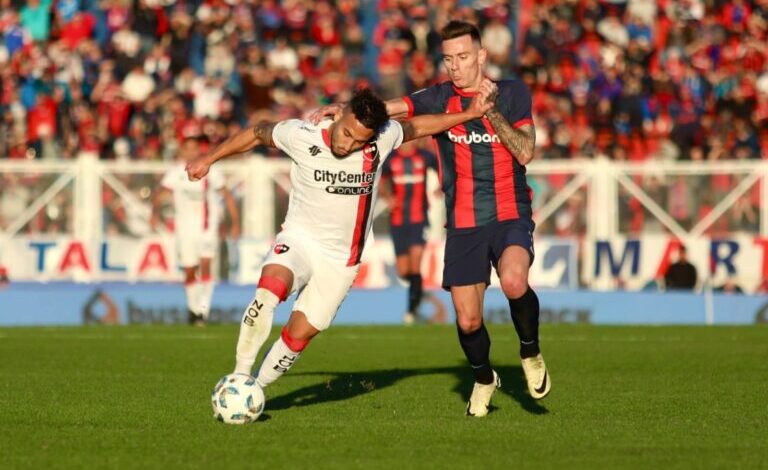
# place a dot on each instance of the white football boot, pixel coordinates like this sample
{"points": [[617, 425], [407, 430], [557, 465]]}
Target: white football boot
{"points": [[481, 397], [537, 376]]}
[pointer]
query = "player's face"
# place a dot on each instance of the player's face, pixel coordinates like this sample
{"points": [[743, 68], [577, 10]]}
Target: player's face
{"points": [[189, 150], [464, 60], [348, 135]]}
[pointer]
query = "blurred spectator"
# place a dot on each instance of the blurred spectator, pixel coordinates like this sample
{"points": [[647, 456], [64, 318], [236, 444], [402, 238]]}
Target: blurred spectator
{"points": [[36, 19], [730, 286], [680, 275]]}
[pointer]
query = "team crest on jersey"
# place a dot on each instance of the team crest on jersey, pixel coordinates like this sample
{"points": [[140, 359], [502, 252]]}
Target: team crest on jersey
{"points": [[371, 152], [281, 248], [314, 150]]}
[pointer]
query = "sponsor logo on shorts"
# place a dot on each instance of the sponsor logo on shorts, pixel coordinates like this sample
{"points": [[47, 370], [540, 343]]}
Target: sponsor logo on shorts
{"points": [[281, 248], [473, 138]]}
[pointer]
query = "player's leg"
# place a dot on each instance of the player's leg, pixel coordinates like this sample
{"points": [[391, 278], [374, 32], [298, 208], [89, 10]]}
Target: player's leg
{"points": [[188, 260], [476, 344], [274, 285], [207, 250], [403, 266], [285, 351], [516, 246], [416, 288], [314, 312], [206, 288], [287, 268], [192, 293], [467, 274]]}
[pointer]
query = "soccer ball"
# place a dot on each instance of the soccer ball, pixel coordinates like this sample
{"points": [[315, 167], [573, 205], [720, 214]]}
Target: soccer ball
{"points": [[237, 399]]}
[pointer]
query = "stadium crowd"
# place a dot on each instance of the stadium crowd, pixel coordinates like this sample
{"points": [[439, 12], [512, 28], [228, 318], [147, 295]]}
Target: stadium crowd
{"points": [[128, 79], [630, 80]]}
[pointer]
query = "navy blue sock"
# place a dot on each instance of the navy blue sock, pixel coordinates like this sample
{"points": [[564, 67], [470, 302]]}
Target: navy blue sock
{"points": [[477, 349], [525, 316], [415, 292]]}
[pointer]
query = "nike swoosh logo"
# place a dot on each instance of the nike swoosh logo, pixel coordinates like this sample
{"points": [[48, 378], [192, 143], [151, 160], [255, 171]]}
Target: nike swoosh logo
{"points": [[543, 384]]}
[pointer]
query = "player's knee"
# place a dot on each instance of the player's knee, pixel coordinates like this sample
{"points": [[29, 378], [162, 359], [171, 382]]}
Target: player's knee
{"points": [[275, 285], [469, 324], [514, 286], [297, 339]]}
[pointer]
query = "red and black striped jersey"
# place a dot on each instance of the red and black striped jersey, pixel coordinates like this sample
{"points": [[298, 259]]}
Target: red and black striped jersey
{"points": [[407, 172], [480, 177]]}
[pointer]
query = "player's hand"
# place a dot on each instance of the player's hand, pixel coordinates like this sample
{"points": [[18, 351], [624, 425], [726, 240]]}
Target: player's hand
{"points": [[484, 100], [333, 110], [197, 168]]}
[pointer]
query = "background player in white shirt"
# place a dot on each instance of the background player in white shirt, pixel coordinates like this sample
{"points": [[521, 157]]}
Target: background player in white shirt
{"points": [[334, 176], [197, 207]]}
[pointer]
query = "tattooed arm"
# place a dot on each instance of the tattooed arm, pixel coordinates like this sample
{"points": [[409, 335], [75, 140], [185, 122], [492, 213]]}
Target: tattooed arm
{"points": [[520, 141], [431, 124], [243, 141]]}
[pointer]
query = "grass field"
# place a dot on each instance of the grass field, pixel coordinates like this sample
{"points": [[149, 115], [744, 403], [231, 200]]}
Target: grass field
{"points": [[386, 397]]}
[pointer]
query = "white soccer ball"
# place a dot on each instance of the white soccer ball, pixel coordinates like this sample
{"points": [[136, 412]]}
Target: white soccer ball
{"points": [[237, 399]]}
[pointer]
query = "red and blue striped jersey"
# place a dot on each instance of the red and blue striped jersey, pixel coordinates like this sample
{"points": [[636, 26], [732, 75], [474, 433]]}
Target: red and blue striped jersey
{"points": [[407, 172], [480, 177]]}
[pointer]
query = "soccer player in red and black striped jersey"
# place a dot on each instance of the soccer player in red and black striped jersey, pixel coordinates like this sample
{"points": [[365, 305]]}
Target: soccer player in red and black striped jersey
{"points": [[488, 203], [404, 186]]}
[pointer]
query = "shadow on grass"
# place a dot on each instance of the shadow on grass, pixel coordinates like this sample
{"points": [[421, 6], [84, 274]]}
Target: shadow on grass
{"points": [[346, 385]]}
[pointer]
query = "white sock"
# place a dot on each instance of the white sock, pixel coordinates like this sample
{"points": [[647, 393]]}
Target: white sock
{"points": [[206, 295], [254, 329], [192, 289], [277, 362]]}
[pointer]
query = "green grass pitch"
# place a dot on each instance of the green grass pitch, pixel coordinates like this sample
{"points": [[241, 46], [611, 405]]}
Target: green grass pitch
{"points": [[386, 397]]}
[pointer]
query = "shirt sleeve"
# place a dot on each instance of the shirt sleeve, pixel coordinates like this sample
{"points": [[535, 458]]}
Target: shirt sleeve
{"points": [[390, 138], [516, 103], [284, 136], [425, 101]]}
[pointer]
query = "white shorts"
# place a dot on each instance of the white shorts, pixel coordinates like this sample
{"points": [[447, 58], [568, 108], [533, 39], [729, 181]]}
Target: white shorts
{"points": [[192, 247], [322, 282]]}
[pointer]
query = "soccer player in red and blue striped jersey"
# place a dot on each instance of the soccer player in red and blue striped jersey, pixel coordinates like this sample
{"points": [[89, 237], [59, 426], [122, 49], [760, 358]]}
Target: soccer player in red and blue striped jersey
{"points": [[488, 204], [404, 186]]}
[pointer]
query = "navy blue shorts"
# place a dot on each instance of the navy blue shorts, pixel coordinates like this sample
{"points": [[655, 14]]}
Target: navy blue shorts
{"points": [[470, 252], [406, 236]]}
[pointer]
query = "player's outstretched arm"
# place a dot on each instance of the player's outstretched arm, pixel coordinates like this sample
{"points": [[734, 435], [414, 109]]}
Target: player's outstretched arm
{"points": [[431, 124], [520, 141], [243, 141]]}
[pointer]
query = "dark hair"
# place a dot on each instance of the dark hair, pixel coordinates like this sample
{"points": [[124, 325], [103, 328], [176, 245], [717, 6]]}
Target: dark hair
{"points": [[369, 109], [457, 29]]}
